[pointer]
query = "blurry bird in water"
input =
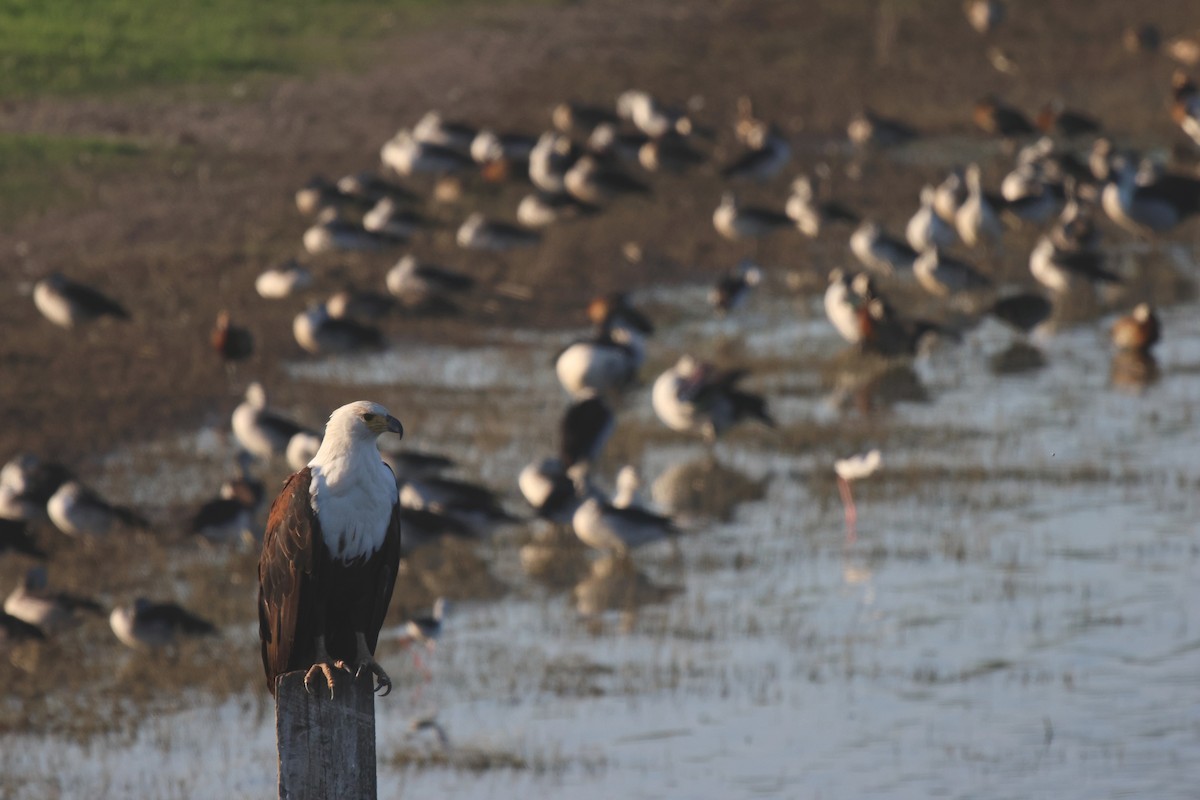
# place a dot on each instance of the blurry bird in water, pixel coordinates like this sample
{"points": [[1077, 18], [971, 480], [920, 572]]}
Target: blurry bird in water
{"points": [[849, 470]]}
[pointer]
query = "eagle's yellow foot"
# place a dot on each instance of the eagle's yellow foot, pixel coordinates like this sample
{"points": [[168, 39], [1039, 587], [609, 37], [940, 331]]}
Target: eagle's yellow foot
{"points": [[325, 665]]}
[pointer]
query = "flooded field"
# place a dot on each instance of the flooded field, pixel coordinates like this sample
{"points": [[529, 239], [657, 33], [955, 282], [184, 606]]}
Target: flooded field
{"points": [[1016, 618]]}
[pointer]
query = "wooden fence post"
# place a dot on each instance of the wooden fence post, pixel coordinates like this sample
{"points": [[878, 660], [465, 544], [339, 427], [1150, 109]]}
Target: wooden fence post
{"points": [[326, 746]]}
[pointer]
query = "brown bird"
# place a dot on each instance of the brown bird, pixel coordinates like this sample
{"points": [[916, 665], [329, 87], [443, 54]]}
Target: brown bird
{"points": [[231, 342], [1137, 331], [994, 117]]}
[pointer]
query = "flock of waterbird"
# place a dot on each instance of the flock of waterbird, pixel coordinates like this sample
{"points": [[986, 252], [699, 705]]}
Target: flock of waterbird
{"points": [[1066, 171]]}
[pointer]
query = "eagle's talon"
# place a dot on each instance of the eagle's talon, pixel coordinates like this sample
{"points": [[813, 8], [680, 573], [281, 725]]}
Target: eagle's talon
{"points": [[382, 680], [322, 667]]}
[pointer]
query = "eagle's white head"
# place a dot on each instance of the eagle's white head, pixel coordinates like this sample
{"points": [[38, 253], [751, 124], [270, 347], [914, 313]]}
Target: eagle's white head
{"points": [[356, 423]]}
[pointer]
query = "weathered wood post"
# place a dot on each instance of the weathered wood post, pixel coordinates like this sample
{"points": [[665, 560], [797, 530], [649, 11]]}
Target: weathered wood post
{"points": [[326, 746]]}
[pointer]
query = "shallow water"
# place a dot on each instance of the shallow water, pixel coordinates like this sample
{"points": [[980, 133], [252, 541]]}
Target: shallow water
{"points": [[1017, 617]]}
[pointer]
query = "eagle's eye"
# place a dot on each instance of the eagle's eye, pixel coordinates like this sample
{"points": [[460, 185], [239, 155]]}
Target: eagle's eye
{"points": [[369, 417]]}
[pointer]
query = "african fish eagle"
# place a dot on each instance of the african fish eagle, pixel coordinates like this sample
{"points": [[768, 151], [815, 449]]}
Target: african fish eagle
{"points": [[330, 554]]}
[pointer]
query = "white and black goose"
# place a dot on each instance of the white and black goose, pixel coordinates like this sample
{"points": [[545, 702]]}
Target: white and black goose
{"points": [[1154, 206], [617, 530], [321, 333], [145, 625], [262, 432], [650, 116], [590, 181], [331, 233], [926, 228], [1065, 271], [695, 397], [34, 602], [609, 360], [390, 219], [549, 161], [884, 255], [540, 209], [943, 276], [769, 153], [477, 232], [405, 154], [490, 147], [424, 287], [282, 281], [810, 214], [67, 303], [736, 222], [976, 219], [842, 305], [78, 511], [230, 517]]}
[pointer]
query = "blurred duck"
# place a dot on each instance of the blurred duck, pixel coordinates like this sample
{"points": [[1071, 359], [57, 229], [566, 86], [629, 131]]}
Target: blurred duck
{"points": [[695, 397], [769, 153], [78, 511], [231, 343], [260, 431], [1064, 271], [230, 517], [585, 428], [27, 483], [943, 276], [67, 303], [808, 213], [651, 117], [1055, 117], [629, 488], [477, 232], [368, 188], [976, 219], [589, 181], [603, 526], [548, 489], [154, 626], [984, 15], [868, 129], [670, 153], [842, 305], [1185, 105], [489, 147], [282, 281], [426, 287], [425, 631], [549, 161], [318, 194], [608, 143], [301, 449], [321, 333], [569, 117], [406, 154], [541, 209], [736, 222], [997, 119], [331, 233], [949, 195], [926, 228], [434, 129], [732, 288], [884, 255], [609, 360], [1156, 205], [470, 508], [388, 219], [1137, 331], [34, 602], [881, 331], [359, 304]]}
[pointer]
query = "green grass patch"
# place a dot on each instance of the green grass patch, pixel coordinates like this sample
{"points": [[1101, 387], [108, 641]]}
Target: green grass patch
{"points": [[72, 47], [39, 172]]}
